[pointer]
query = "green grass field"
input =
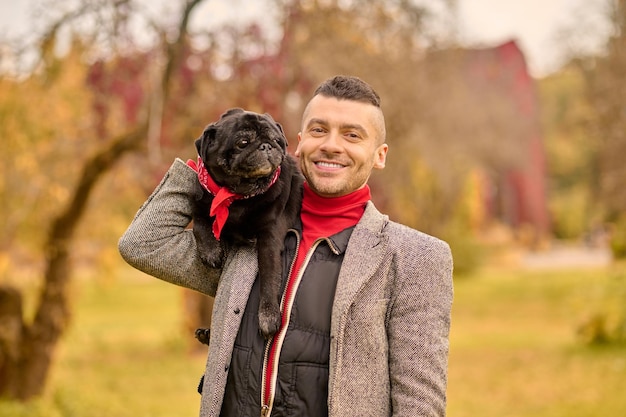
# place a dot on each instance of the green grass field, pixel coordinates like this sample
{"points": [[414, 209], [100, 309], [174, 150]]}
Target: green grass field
{"points": [[514, 351]]}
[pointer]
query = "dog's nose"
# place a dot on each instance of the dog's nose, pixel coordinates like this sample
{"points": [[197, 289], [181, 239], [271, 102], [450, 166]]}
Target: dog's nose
{"points": [[265, 147]]}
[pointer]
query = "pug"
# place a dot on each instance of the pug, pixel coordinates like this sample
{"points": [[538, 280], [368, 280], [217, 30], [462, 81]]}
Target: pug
{"points": [[249, 192]]}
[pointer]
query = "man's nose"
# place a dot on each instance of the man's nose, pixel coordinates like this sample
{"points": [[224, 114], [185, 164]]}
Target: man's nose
{"points": [[332, 141]]}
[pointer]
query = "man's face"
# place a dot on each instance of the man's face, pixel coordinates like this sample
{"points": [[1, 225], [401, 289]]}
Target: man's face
{"points": [[339, 145]]}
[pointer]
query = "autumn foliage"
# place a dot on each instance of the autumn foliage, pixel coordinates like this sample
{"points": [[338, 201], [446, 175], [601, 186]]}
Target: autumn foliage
{"points": [[87, 134]]}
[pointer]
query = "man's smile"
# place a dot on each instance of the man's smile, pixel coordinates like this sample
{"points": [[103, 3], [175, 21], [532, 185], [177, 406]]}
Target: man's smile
{"points": [[328, 165]]}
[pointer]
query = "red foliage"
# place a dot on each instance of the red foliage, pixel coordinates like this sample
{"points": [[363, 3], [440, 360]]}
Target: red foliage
{"points": [[122, 79]]}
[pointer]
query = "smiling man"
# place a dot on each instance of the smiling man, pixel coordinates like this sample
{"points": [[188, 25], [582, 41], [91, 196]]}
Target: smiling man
{"points": [[366, 301], [341, 141]]}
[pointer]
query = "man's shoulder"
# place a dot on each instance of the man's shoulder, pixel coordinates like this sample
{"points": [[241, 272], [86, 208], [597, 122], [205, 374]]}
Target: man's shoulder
{"points": [[401, 233], [398, 234]]}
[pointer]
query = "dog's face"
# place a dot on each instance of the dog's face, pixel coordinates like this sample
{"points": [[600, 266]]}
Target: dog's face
{"points": [[242, 149]]}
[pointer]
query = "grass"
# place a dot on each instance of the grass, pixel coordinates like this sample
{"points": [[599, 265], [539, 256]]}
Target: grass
{"points": [[514, 351], [125, 355]]}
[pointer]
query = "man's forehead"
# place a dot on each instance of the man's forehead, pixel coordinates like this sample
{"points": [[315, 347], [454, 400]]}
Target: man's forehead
{"points": [[341, 124], [331, 109]]}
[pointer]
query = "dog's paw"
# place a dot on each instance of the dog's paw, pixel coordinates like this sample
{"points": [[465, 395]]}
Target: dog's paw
{"points": [[211, 262], [203, 335], [269, 320], [213, 257], [210, 250]]}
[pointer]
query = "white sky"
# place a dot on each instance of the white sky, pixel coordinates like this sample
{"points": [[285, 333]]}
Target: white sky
{"points": [[542, 28], [537, 25]]}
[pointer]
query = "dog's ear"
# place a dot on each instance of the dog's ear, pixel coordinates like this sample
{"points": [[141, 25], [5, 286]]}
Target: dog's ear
{"points": [[280, 127], [232, 111], [206, 139], [283, 139]]}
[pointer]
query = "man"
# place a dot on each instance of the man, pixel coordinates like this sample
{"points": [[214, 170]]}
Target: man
{"points": [[366, 304]]}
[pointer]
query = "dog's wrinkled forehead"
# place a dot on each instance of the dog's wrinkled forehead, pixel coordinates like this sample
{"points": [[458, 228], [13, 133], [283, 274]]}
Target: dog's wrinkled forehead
{"points": [[238, 120], [243, 128]]}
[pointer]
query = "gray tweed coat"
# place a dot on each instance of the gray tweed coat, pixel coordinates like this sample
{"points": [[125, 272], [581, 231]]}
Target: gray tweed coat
{"points": [[390, 318]]}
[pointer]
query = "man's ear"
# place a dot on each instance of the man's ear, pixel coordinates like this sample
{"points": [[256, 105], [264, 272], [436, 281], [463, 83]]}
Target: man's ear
{"points": [[297, 151], [381, 156]]}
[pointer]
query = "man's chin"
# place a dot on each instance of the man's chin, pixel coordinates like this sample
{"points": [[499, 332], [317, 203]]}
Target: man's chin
{"points": [[325, 188]]}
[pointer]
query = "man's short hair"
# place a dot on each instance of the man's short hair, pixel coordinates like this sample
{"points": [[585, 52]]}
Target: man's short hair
{"points": [[348, 88]]}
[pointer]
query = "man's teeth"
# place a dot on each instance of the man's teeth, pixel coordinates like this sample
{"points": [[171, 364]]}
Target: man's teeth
{"points": [[329, 165]]}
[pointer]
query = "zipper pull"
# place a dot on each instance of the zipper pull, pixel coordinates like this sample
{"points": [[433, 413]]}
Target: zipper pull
{"points": [[264, 410]]}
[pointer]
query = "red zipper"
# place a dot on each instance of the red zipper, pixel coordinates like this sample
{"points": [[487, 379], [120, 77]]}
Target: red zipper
{"points": [[274, 345]]}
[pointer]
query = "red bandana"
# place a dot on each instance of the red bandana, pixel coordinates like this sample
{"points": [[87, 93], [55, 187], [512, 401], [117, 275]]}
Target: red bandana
{"points": [[223, 197]]}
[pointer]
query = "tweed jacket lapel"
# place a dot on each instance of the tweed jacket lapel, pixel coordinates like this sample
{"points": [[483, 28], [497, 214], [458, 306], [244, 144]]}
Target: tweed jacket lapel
{"points": [[233, 291], [363, 256], [231, 298], [242, 269]]}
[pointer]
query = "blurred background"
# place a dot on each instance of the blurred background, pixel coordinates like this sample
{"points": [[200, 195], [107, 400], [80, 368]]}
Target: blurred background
{"points": [[506, 125]]}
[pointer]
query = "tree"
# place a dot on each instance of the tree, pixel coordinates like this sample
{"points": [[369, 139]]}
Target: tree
{"points": [[606, 89], [572, 155], [27, 348]]}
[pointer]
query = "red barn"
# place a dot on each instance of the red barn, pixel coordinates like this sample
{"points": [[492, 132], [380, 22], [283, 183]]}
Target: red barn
{"points": [[519, 195]]}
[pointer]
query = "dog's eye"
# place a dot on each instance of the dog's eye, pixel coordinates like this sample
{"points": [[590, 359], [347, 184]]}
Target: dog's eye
{"points": [[242, 143]]}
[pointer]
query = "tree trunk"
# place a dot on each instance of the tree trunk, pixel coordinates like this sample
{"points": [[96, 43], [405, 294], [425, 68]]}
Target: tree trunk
{"points": [[26, 351], [11, 332]]}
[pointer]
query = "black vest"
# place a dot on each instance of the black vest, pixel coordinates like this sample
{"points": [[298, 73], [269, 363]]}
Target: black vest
{"points": [[302, 384]]}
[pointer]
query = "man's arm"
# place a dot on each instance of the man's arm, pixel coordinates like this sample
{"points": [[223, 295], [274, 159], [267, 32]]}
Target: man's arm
{"points": [[419, 329], [158, 242]]}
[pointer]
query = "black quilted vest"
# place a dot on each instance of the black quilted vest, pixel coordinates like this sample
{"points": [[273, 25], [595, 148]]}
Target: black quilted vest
{"points": [[302, 384]]}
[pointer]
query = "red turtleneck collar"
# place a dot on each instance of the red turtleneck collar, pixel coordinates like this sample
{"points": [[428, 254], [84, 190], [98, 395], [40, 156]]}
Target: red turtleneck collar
{"points": [[324, 216]]}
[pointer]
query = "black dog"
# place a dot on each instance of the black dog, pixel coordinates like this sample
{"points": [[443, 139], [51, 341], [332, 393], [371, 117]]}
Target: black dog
{"points": [[249, 191]]}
